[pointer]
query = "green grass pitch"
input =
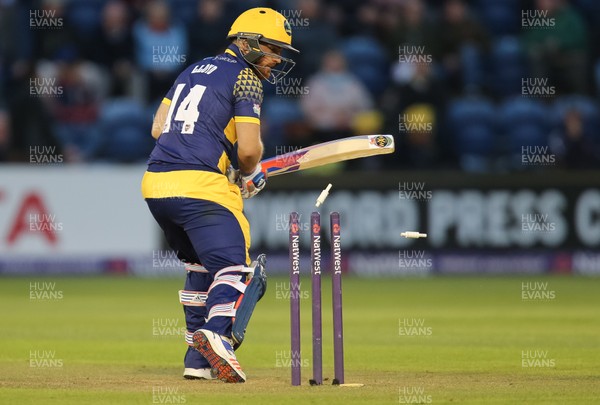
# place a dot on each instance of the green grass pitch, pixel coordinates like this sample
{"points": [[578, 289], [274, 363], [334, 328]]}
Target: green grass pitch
{"points": [[461, 340]]}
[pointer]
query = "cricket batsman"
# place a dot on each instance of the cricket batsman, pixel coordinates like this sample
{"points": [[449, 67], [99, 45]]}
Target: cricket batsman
{"points": [[210, 118]]}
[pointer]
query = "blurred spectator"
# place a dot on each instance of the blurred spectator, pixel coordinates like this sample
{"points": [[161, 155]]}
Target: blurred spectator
{"points": [[471, 129], [113, 47], [368, 62], [4, 135], [207, 34], [416, 85], [161, 48], [84, 17], [417, 146], [521, 122], [13, 24], [575, 149], [500, 17], [508, 68], [29, 116], [124, 127], [52, 32], [358, 17], [312, 40], [141, 45], [461, 44], [559, 51], [76, 108], [335, 98], [368, 20], [597, 77], [413, 32]]}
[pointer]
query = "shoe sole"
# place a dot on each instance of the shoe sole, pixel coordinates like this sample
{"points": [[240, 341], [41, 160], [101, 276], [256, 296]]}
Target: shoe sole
{"points": [[221, 369], [193, 377], [195, 374]]}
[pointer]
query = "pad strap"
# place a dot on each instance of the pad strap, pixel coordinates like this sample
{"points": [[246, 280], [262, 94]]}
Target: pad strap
{"points": [[195, 267], [227, 309], [232, 280], [193, 298], [189, 338], [235, 269]]}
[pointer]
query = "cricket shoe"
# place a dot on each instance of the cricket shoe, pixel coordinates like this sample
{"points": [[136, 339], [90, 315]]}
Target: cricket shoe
{"points": [[195, 366], [218, 351], [197, 374]]}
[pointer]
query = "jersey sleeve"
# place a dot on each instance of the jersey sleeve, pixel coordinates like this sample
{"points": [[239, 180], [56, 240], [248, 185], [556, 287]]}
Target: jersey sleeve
{"points": [[169, 96], [248, 96]]}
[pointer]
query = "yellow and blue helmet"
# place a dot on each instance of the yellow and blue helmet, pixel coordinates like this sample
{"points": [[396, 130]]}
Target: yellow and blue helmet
{"points": [[265, 25]]}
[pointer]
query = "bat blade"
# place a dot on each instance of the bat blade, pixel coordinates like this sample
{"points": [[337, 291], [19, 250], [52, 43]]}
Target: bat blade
{"points": [[325, 153]]}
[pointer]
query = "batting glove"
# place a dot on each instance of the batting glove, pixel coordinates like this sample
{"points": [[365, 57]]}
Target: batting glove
{"points": [[253, 183]]}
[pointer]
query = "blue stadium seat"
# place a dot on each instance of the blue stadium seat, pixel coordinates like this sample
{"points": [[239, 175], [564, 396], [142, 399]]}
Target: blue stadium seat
{"points": [[125, 127], [472, 126], [524, 123], [85, 15], [508, 66], [368, 61], [589, 9], [597, 76], [500, 17], [588, 108], [277, 113], [184, 11]]}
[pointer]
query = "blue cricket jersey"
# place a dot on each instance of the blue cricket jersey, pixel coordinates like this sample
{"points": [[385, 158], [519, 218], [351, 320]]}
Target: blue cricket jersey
{"points": [[205, 102]]}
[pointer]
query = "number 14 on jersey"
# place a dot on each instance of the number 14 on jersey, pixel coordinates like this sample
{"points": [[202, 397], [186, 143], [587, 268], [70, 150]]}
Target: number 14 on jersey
{"points": [[187, 112]]}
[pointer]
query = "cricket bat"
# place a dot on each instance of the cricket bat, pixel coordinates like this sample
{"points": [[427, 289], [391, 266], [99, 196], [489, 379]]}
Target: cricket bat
{"points": [[325, 153]]}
